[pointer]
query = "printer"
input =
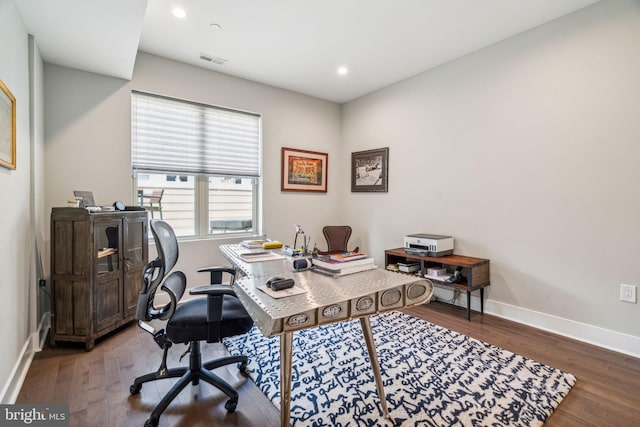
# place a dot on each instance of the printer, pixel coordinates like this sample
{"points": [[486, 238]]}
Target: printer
{"points": [[433, 245]]}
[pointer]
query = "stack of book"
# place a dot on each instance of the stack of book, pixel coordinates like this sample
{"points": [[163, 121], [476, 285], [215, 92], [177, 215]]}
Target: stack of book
{"points": [[343, 263], [258, 244], [252, 244]]}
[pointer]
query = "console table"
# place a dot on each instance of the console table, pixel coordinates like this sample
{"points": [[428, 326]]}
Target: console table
{"points": [[475, 271], [325, 300]]}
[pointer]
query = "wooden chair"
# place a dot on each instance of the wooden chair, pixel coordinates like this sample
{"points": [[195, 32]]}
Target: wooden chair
{"points": [[153, 202]]}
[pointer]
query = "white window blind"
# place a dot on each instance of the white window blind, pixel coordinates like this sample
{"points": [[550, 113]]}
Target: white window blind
{"points": [[170, 135]]}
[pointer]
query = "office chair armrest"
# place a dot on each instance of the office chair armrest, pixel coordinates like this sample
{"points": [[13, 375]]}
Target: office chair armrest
{"points": [[215, 297], [217, 271], [212, 290]]}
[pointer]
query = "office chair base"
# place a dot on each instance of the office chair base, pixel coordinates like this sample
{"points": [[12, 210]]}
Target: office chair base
{"points": [[193, 374]]}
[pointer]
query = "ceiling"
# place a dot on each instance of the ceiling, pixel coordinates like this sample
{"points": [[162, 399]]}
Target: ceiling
{"points": [[291, 44]]}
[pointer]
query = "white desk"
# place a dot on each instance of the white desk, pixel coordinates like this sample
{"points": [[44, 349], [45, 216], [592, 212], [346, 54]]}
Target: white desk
{"points": [[326, 300]]}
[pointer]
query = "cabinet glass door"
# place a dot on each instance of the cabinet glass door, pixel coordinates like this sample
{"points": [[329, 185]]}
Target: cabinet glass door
{"points": [[135, 243], [135, 258], [107, 243]]}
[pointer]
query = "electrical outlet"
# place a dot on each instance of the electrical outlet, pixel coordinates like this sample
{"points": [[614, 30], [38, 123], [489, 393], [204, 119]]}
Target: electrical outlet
{"points": [[628, 293]]}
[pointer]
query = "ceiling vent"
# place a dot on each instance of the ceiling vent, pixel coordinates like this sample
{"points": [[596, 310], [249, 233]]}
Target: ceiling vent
{"points": [[212, 59]]}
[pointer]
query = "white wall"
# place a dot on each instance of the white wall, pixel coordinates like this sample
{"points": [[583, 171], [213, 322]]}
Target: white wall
{"points": [[39, 216], [19, 192], [88, 141], [527, 152]]}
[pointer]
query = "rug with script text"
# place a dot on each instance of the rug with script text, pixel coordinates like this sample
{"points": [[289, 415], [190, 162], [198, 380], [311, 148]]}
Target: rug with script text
{"points": [[432, 376]]}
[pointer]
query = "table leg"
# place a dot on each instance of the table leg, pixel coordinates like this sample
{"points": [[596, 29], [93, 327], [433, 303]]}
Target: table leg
{"points": [[286, 344], [468, 305], [371, 348], [481, 300]]}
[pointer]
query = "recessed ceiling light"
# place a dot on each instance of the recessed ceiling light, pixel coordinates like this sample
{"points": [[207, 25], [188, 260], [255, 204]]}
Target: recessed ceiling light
{"points": [[179, 13], [343, 70]]}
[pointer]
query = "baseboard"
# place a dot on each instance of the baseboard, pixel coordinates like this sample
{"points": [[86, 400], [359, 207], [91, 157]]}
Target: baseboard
{"points": [[43, 329], [33, 344], [605, 338], [601, 337], [18, 373]]}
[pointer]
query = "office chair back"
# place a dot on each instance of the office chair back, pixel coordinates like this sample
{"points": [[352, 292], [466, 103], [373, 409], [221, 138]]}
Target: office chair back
{"points": [[154, 273], [337, 237]]}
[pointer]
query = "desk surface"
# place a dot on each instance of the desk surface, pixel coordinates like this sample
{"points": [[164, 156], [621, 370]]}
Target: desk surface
{"points": [[326, 299]]}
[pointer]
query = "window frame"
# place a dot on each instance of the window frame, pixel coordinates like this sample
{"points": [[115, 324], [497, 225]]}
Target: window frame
{"points": [[201, 220], [201, 202]]}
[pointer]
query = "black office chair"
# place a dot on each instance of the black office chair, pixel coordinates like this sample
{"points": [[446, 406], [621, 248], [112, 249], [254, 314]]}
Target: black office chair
{"points": [[202, 319], [337, 237]]}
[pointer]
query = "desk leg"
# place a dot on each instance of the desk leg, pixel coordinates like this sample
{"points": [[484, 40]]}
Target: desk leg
{"points": [[286, 343], [371, 348]]}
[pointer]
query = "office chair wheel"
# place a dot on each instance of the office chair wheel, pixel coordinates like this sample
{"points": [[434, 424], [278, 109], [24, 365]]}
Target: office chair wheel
{"points": [[231, 405], [135, 388], [150, 423]]}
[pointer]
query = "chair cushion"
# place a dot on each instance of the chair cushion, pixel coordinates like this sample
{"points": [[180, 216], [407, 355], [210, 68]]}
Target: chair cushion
{"points": [[189, 322]]}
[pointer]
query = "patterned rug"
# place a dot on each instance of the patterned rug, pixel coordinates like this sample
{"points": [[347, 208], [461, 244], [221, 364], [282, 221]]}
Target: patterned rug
{"points": [[432, 377]]}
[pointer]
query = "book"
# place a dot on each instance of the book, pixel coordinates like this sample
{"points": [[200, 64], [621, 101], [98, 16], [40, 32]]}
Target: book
{"points": [[345, 270], [347, 256], [334, 265], [252, 244], [106, 252]]}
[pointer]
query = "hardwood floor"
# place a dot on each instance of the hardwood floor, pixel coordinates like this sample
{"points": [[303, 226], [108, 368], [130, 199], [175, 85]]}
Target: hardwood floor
{"points": [[96, 384]]}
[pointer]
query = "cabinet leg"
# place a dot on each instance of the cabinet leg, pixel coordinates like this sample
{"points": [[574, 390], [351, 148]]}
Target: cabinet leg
{"points": [[468, 305], [481, 300]]}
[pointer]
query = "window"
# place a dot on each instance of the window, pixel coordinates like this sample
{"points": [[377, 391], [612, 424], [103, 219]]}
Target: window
{"points": [[196, 166]]}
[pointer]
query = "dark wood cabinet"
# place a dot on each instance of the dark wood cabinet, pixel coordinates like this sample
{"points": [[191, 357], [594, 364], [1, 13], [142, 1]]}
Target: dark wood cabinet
{"points": [[96, 261], [473, 272]]}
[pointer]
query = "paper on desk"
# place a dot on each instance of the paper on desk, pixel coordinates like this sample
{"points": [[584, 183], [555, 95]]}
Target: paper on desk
{"points": [[295, 290], [269, 256]]}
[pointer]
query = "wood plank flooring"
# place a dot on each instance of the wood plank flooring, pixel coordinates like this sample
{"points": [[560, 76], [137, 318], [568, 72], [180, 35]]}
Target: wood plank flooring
{"points": [[96, 384]]}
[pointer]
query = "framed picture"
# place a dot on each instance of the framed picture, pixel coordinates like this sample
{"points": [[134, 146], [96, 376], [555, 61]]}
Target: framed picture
{"points": [[304, 170], [7, 128], [370, 170]]}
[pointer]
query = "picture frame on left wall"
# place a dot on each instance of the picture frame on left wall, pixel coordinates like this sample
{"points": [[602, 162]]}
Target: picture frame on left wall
{"points": [[7, 127], [303, 170]]}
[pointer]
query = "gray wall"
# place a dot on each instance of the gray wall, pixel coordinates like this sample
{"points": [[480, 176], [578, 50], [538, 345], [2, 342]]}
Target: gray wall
{"points": [[88, 142], [526, 152]]}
